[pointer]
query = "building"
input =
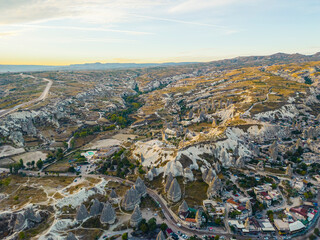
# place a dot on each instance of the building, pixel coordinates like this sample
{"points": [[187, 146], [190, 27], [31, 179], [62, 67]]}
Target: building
{"points": [[296, 226], [281, 226], [266, 226]]}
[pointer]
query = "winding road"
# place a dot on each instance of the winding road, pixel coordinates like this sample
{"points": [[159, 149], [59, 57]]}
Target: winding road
{"points": [[43, 96], [171, 218]]}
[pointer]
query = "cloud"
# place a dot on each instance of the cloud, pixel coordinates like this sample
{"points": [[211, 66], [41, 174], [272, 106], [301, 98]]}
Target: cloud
{"points": [[179, 21], [5, 34], [93, 29], [196, 5], [224, 29], [94, 11]]}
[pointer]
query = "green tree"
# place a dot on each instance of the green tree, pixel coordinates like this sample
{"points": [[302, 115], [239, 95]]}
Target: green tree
{"points": [[125, 236], [22, 235], [312, 237], [39, 164], [152, 224], [163, 226], [21, 163], [270, 215], [317, 231], [144, 227]]}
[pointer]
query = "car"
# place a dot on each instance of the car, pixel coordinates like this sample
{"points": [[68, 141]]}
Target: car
{"points": [[178, 224]]}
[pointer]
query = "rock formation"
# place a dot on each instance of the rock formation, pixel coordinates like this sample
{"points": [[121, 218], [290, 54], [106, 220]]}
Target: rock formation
{"points": [[298, 144], [174, 192], [188, 174], [273, 150], [214, 188], [183, 207], [289, 170], [82, 213], [131, 199], [168, 182], [136, 216], [71, 236], [96, 208], [113, 194], [140, 187], [217, 167], [240, 163], [208, 175], [214, 123], [190, 114], [25, 219], [108, 214], [260, 166], [202, 117]]}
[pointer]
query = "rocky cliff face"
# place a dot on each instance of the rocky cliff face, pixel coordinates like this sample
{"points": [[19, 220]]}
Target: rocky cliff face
{"points": [[17, 221]]}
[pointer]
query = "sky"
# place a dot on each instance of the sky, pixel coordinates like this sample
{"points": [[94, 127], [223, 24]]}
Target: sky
{"points": [[61, 32]]}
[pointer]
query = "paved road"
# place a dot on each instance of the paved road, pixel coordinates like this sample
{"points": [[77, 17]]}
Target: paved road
{"points": [[43, 96], [172, 219]]}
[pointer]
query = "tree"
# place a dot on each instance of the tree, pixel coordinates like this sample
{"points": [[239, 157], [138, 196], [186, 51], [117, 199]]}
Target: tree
{"points": [[22, 235], [21, 163], [317, 231], [125, 236], [163, 226], [270, 215], [217, 237], [32, 163], [144, 227], [39, 164], [312, 237], [152, 224]]}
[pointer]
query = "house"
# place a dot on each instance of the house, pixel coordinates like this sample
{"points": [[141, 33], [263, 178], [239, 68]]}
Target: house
{"points": [[300, 212], [281, 226], [264, 198], [266, 225], [232, 203], [296, 226]]}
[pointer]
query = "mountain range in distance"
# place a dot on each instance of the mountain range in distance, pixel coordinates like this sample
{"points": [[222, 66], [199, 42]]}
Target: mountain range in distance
{"points": [[254, 60], [85, 66]]}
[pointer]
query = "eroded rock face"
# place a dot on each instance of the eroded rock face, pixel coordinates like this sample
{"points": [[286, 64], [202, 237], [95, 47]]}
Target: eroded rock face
{"points": [[71, 236], [260, 166], [19, 221], [108, 214], [113, 194], [168, 182], [214, 188], [289, 170], [96, 208], [183, 207], [136, 216], [131, 199], [140, 187], [26, 220], [174, 192], [208, 175], [82, 213], [240, 163]]}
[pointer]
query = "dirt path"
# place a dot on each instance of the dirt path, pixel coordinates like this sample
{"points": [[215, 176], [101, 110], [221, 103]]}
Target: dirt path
{"points": [[43, 96]]}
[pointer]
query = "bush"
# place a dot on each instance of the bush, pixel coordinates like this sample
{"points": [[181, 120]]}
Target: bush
{"points": [[125, 236]]}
